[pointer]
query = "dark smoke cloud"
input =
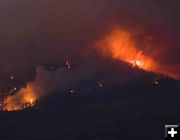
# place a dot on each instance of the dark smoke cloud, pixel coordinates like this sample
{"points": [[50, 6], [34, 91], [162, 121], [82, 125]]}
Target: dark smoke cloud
{"points": [[85, 79]]}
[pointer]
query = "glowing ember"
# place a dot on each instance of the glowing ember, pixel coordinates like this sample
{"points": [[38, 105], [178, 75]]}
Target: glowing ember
{"points": [[68, 64], [156, 82], [25, 98], [12, 77], [31, 101], [72, 91], [15, 89], [138, 62], [100, 84]]}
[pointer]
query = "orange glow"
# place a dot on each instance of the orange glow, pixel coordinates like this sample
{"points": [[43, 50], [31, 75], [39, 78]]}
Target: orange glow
{"points": [[25, 98], [120, 45]]}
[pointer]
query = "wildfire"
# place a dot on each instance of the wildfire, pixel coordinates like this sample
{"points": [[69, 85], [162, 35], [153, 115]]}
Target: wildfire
{"points": [[25, 98], [121, 45]]}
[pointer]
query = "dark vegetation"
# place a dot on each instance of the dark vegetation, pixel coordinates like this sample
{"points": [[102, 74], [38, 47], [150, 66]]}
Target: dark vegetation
{"points": [[135, 112]]}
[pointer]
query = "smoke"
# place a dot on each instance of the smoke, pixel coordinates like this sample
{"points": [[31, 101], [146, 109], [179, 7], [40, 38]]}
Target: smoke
{"points": [[139, 49], [42, 33], [38, 32], [83, 79], [64, 81]]}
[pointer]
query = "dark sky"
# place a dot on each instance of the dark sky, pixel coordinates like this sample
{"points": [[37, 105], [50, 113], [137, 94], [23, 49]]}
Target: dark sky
{"points": [[39, 32], [37, 37]]}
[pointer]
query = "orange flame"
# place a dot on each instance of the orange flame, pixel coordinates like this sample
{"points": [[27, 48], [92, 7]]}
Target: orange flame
{"points": [[25, 98], [122, 46]]}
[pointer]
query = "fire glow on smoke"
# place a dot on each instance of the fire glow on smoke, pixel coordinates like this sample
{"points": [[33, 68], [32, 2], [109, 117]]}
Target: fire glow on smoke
{"points": [[25, 98], [122, 46], [118, 45]]}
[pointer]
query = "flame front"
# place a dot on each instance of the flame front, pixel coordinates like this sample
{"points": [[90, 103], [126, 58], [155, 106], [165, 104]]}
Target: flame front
{"points": [[121, 45], [25, 98]]}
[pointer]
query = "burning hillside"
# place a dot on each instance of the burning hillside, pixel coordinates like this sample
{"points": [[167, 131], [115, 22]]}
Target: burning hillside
{"points": [[25, 98], [122, 45]]}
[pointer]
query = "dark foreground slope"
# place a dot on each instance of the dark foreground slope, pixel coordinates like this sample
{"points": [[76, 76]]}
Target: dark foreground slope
{"points": [[135, 112], [84, 124]]}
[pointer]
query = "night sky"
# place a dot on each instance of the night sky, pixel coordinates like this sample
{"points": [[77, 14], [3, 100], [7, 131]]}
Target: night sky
{"points": [[60, 59], [38, 38], [40, 32]]}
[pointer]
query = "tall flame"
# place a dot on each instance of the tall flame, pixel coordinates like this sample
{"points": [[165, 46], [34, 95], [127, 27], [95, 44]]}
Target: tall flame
{"points": [[122, 46], [25, 98]]}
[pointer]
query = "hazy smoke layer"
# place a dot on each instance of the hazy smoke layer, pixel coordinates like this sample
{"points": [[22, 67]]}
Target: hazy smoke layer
{"points": [[41, 32]]}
